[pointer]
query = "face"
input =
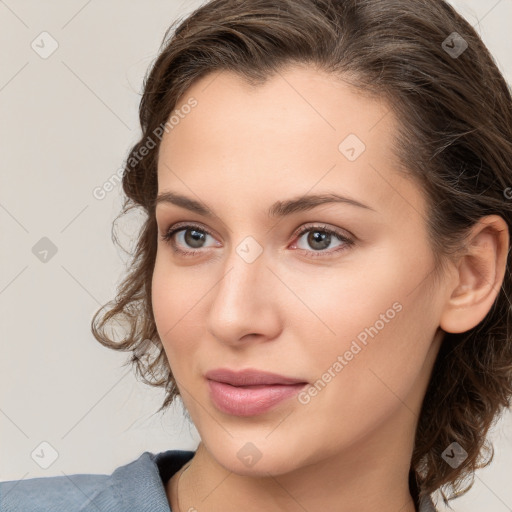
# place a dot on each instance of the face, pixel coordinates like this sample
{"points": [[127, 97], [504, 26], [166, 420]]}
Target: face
{"points": [[334, 294]]}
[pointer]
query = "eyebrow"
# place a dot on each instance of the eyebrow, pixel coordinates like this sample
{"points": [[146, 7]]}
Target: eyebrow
{"points": [[278, 209]]}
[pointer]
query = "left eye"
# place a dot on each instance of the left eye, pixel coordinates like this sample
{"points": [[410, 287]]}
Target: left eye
{"points": [[319, 238]]}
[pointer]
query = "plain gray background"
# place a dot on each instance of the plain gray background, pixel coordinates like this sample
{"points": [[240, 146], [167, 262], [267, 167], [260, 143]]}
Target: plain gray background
{"points": [[67, 122]]}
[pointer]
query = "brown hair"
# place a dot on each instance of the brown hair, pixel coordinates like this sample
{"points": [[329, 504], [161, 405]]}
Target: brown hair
{"points": [[455, 138]]}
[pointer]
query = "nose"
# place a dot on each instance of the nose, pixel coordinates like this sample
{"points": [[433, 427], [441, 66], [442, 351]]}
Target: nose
{"points": [[244, 302]]}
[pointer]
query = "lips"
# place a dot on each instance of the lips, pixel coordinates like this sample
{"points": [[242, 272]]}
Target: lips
{"points": [[250, 392], [250, 377]]}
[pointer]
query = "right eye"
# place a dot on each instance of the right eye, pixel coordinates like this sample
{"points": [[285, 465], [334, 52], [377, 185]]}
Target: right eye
{"points": [[189, 235]]}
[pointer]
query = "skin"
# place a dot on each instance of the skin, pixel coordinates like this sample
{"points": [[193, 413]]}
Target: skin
{"points": [[238, 151]]}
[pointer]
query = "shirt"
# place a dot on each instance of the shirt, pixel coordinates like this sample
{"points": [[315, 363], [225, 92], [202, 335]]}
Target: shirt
{"points": [[138, 486]]}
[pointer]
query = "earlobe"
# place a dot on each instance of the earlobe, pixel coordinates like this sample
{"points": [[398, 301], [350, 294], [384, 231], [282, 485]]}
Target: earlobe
{"points": [[480, 274]]}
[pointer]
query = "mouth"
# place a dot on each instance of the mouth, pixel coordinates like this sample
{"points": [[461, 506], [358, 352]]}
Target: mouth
{"points": [[250, 392], [250, 377]]}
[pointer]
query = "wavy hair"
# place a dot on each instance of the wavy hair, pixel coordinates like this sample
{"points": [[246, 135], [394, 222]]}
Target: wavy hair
{"points": [[454, 138]]}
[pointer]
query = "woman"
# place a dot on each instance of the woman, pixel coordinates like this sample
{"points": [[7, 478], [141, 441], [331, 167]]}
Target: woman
{"points": [[360, 366]]}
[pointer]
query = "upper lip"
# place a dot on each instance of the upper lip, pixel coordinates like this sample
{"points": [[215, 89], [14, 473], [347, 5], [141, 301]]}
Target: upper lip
{"points": [[249, 377]]}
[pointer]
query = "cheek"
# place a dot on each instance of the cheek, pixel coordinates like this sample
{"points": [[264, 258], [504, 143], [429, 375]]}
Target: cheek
{"points": [[176, 307], [377, 326], [331, 307], [356, 385]]}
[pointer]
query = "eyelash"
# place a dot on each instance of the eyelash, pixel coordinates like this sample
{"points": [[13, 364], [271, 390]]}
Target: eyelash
{"points": [[167, 238]]}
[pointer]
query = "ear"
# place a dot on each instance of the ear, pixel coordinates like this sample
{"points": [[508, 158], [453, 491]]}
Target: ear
{"points": [[480, 274]]}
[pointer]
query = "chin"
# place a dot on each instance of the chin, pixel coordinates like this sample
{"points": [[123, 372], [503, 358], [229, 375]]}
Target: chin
{"points": [[256, 457]]}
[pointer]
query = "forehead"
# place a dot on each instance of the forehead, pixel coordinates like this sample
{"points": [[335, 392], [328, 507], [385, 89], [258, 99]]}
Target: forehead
{"points": [[302, 130], [298, 101]]}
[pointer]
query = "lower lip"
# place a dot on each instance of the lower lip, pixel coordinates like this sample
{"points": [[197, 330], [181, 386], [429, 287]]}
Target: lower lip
{"points": [[250, 400]]}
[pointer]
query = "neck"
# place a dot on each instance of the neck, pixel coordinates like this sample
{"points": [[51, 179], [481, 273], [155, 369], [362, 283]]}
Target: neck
{"points": [[372, 476]]}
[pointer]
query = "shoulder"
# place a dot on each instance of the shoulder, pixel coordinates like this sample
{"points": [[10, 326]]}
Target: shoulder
{"points": [[49, 493], [138, 482], [68, 492]]}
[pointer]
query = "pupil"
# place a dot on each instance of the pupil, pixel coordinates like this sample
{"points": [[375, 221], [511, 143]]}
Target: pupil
{"points": [[197, 237], [322, 237]]}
